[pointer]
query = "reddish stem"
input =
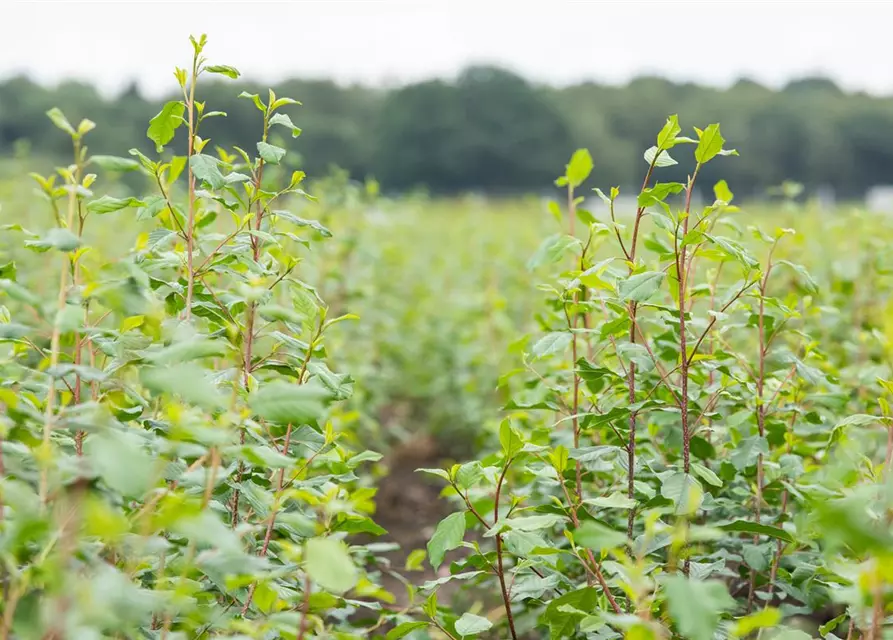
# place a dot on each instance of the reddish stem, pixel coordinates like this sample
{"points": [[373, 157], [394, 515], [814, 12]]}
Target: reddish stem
{"points": [[305, 609], [631, 373], [500, 572]]}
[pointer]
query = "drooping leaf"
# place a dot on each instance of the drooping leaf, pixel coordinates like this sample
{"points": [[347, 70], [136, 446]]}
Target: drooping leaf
{"points": [[696, 605], [207, 169], [684, 490], [663, 158], [447, 536], [640, 287], [270, 153], [598, 537], [107, 204], [224, 70], [748, 526], [115, 163], [329, 564], [286, 403], [552, 250], [121, 461], [56, 238], [282, 119], [471, 625]]}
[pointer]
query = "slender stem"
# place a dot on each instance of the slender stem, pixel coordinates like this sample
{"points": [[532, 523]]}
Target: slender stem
{"points": [[712, 322], [685, 361], [683, 347], [305, 609], [631, 373], [500, 568], [9, 609], [761, 410], [190, 178], [250, 314], [779, 546], [76, 276], [55, 339], [271, 521], [572, 324], [592, 567]]}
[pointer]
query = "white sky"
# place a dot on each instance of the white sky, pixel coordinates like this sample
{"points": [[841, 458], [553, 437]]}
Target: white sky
{"points": [[388, 41]]}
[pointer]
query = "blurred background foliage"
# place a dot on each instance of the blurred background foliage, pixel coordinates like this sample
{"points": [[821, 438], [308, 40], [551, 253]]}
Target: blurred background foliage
{"points": [[490, 130]]}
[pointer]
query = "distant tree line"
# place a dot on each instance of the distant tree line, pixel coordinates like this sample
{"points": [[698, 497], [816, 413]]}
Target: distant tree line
{"points": [[490, 130]]}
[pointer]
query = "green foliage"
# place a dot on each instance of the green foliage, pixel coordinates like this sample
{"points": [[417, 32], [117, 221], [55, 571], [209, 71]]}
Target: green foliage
{"points": [[491, 130], [694, 438], [174, 463], [671, 457]]}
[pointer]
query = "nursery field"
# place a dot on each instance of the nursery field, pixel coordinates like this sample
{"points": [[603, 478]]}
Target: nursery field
{"points": [[237, 401]]}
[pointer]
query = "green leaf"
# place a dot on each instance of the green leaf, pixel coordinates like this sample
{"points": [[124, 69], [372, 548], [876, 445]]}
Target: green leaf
{"points": [[447, 536], [563, 613], [301, 222], [256, 99], [440, 473], [746, 526], [114, 163], [666, 139], [58, 118], [554, 343], [705, 474], [56, 238], [684, 490], [163, 126], [121, 461], [658, 193], [748, 452], [107, 204], [190, 350], [598, 537], [663, 160], [404, 629], [270, 153], [806, 280], [709, 144], [282, 119], [525, 523], [469, 474], [641, 286], [552, 250], [186, 380], [755, 557], [287, 403], [509, 439], [616, 500], [722, 192], [832, 624], [329, 564], [695, 606], [224, 70], [579, 167], [207, 169], [471, 625]]}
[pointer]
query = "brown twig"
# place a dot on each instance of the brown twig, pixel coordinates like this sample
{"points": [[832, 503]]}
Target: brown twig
{"points": [[499, 564]]}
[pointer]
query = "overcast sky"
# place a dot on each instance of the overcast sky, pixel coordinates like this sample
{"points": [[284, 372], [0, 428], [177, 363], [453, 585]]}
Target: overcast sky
{"points": [[388, 41]]}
